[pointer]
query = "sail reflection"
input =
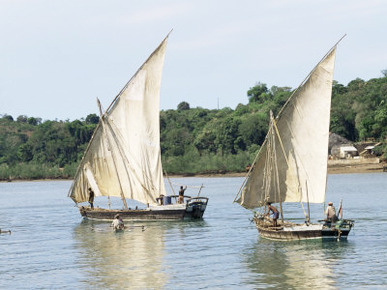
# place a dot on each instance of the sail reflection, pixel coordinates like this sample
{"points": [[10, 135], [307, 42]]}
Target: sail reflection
{"points": [[301, 264], [132, 258]]}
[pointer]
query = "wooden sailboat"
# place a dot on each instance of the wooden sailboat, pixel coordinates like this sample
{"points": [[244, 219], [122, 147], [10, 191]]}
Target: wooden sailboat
{"points": [[291, 166], [123, 157]]}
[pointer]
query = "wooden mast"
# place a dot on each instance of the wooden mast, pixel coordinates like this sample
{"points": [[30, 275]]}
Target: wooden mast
{"points": [[276, 170]]}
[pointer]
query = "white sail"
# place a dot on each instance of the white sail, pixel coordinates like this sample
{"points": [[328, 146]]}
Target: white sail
{"points": [[123, 157], [292, 163]]}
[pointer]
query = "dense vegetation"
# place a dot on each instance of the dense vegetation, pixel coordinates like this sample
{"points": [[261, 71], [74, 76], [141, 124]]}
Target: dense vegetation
{"points": [[193, 140]]}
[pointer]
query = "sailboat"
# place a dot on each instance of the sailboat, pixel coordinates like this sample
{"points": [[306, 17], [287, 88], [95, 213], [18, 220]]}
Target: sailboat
{"points": [[291, 165], [123, 157]]}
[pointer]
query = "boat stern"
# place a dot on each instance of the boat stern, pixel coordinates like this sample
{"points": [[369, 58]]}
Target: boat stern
{"points": [[337, 230], [196, 207]]}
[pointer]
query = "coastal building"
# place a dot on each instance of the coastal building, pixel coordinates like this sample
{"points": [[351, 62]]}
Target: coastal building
{"points": [[347, 152]]}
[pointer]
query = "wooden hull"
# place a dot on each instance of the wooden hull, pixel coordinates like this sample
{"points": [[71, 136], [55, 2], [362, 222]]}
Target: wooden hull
{"points": [[291, 232], [193, 209], [108, 215]]}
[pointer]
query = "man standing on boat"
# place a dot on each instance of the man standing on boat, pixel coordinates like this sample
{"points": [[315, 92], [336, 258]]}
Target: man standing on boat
{"points": [[331, 212], [181, 194], [275, 212], [91, 197]]}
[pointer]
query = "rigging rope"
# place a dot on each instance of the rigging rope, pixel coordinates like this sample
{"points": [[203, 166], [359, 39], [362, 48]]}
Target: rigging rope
{"points": [[189, 186]]}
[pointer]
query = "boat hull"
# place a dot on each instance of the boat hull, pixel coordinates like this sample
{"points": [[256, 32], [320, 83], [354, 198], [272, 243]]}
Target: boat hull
{"points": [[148, 214], [194, 208], [291, 232]]}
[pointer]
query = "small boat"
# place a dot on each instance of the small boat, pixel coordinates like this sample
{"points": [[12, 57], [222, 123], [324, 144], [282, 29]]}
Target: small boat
{"points": [[291, 165], [123, 157], [129, 228]]}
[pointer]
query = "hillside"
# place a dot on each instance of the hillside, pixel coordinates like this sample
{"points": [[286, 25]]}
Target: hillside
{"points": [[193, 140]]}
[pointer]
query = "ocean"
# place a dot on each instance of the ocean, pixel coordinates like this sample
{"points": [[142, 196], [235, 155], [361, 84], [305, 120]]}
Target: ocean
{"points": [[52, 247]]}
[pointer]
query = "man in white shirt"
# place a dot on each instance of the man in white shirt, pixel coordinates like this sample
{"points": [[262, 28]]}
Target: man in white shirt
{"points": [[118, 223], [331, 212]]}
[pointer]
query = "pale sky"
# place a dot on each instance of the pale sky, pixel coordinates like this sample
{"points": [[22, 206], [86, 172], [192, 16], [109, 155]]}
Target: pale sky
{"points": [[57, 56]]}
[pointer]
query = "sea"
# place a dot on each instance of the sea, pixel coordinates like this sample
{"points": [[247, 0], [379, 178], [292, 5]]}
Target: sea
{"points": [[51, 247]]}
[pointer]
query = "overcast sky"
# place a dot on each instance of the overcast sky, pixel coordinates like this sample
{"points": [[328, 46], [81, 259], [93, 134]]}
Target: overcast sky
{"points": [[57, 57]]}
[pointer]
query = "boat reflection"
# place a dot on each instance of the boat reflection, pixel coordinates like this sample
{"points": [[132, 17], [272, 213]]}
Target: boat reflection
{"points": [[298, 264], [129, 259]]}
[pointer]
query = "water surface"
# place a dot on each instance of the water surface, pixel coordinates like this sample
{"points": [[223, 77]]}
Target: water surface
{"points": [[52, 247]]}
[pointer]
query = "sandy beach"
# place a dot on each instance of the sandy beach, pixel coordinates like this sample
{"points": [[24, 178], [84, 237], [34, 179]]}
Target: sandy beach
{"points": [[353, 166], [372, 165]]}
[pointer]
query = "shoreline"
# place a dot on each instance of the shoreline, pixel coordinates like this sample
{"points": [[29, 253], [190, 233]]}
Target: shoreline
{"points": [[356, 168], [333, 168]]}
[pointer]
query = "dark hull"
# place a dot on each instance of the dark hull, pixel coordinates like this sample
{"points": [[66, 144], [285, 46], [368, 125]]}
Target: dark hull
{"points": [[193, 209], [291, 232]]}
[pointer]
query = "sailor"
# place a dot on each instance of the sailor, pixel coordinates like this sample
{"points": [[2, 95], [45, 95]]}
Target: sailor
{"points": [[160, 199], [275, 212], [181, 194], [331, 212], [118, 223], [91, 197]]}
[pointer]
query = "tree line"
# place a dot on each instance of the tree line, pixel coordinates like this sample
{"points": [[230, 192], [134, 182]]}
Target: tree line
{"points": [[193, 140]]}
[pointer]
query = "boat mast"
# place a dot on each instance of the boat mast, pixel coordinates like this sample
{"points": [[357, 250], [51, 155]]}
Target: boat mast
{"points": [[276, 177], [307, 198], [113, 154]]}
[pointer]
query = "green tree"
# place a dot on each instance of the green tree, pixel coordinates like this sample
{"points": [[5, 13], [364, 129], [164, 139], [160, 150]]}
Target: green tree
{"points": [[32, 121], [7, 117], [253, 129], [205, 142], [22, 119], [183, 106], [24, 152], [258, 93], [227, 132], [92, 119]]}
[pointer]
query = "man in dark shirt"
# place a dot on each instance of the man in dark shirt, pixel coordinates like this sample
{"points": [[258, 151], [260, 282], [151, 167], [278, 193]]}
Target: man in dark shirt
{"points": [[181, 194], [91, 197]]}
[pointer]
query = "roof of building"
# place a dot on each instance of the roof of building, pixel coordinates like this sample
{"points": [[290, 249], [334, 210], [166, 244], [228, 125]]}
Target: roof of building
{"points": [[348, 148]]}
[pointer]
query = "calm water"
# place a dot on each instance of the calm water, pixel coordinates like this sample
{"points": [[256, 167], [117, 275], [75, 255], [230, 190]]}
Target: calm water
{"points": [[51, 247]]}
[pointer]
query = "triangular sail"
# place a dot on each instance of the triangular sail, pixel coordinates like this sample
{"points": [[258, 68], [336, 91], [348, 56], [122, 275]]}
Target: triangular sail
{"points": [[123, 158], [300, 147]]}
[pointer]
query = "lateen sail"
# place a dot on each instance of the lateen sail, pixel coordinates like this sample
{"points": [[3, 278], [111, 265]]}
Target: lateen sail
{"points": [[123, 158], [292, 163]]}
